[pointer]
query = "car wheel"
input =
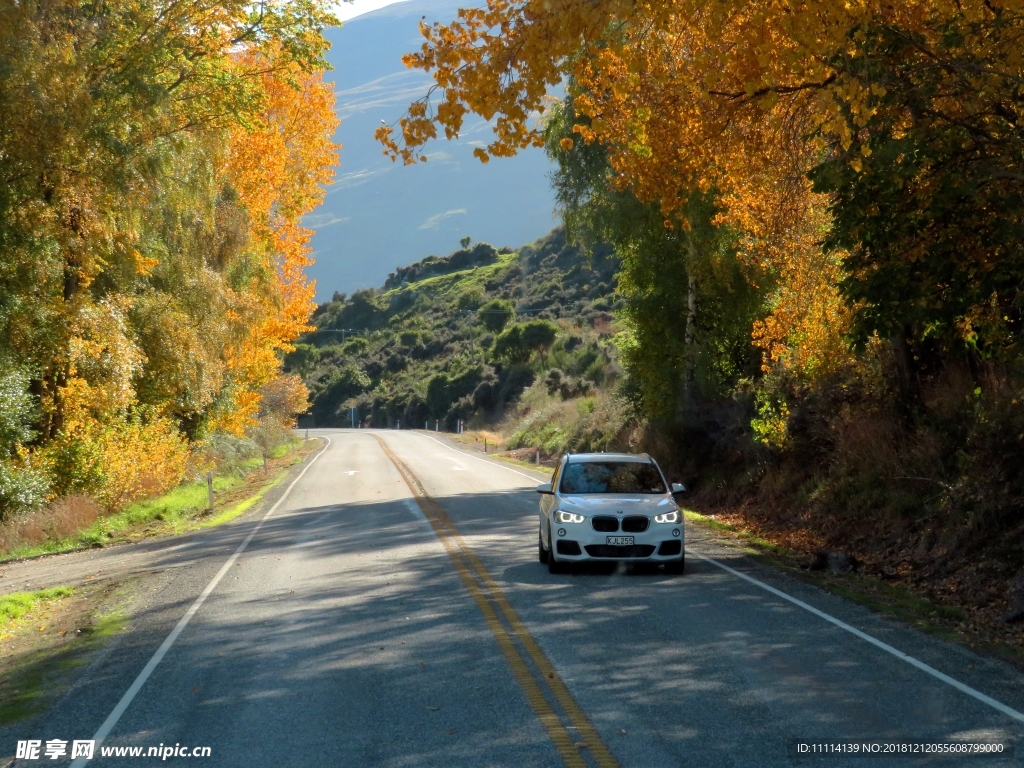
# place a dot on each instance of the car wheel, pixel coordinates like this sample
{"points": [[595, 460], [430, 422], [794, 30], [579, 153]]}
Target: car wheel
{"points": [[676, 566], [542, 554]]}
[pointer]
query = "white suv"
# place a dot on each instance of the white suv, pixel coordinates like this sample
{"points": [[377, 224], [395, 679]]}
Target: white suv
{"points": [[610, 506]]}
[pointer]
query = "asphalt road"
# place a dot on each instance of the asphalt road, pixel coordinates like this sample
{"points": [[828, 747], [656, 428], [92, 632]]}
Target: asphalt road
{"points": [[390, 611]]}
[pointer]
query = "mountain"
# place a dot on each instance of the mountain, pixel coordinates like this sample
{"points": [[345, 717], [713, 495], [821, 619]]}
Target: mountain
{"points": [[461, 337], [380, 214]]}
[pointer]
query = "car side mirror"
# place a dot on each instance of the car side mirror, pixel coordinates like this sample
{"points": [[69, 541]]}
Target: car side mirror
{"points": [[545, 488], [678, 489]]}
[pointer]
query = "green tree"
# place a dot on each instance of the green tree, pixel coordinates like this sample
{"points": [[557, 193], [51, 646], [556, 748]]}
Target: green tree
{"points": [[496, 314], [21, 488], [928, 196], [518, 343], [302, 359], [690, 303], [539, 335]]}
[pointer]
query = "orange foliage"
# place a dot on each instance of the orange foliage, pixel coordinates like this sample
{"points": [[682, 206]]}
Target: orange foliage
{"points": [[690, 95], [140, 460], [278, 168], [284, 397]]}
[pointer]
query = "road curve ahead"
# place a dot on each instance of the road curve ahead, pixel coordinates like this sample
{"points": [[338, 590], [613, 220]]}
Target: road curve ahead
{"points": [[390, 611]]}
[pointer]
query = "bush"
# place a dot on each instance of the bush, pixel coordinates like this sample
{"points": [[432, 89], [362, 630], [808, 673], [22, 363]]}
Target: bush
{"points": [[229, 452], [471, 299], [462, 409], [16, 409], [21, 489], [495, 315]]}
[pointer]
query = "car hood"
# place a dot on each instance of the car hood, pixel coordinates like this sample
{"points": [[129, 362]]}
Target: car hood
{"points": [[610, 504]]}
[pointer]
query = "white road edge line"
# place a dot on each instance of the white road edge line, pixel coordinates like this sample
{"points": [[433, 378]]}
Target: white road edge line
{"points": [[997, 705], [478, 458], [126, 700]]}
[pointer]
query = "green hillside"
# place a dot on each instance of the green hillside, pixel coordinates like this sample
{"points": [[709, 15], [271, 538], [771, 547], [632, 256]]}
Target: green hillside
{"points": [[463, 336]]}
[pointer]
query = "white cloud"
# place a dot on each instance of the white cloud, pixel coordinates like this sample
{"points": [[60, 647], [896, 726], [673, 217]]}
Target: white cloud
{"points": [[397, 88], [355, 178], [439, 157], [321, 220], [433, 221], [350, 10]]}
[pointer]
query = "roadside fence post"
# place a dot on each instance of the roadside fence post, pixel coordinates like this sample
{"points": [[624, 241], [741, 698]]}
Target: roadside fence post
{"points": [[538, 457], [209, 489]]}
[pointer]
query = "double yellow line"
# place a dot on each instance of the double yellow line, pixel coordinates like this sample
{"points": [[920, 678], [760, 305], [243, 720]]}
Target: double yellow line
{"points": [[495, 606]]}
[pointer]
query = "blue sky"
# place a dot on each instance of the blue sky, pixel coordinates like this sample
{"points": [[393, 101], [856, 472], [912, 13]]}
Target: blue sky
{"points": [[379, 215]]}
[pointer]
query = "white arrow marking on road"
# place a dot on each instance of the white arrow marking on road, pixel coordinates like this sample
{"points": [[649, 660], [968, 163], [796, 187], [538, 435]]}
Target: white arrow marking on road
{"points": [[351, 472]]}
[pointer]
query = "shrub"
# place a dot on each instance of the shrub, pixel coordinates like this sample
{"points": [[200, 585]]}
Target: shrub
{"points": [[495, 315], [229, 452], [22, 489], [16, 410]]}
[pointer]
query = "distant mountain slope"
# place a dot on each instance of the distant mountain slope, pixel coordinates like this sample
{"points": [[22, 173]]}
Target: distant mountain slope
{"points": [[380, 214], [460, 337]]}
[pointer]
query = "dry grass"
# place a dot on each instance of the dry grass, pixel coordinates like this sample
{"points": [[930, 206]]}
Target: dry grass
{"points": [[59, 519]]}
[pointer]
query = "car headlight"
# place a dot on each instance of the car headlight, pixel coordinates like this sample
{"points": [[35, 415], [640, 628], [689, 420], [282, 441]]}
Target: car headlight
{"points": [[668, 517], [568, 517]]}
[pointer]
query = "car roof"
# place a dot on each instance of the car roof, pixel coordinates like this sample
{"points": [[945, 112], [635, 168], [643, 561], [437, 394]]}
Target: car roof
{"points": [[580, 458]]}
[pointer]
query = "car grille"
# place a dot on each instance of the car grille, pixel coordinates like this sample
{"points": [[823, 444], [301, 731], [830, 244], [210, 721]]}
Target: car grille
{"points": [[606, 550], [670, 547], [635, 524], [605, 524]]}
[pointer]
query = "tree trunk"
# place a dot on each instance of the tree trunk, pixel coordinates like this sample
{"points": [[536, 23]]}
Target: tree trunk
{"points": [[690, 339]]}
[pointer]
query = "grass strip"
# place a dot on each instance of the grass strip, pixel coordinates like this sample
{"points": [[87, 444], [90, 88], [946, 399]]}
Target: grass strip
{"points": [[16, 604], [181, 510], [239, 509], [39, 663]]}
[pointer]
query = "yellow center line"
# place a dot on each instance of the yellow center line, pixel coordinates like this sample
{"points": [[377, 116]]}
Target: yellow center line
{"points": [[459, 552]]}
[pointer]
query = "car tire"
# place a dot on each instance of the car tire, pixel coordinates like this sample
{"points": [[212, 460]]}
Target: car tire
{"points": [[542, 554], [676, 566]]}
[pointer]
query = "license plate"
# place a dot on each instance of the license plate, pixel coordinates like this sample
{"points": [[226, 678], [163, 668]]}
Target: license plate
{"points": [[620, 541]]}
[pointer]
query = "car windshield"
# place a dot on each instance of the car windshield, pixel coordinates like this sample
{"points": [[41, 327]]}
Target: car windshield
{"points": [[611, 477]]}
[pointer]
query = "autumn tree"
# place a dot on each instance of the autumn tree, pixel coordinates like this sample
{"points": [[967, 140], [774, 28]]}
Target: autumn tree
{"points": [[927, 189], [909, 113], [147, 281], [690, 302]]}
